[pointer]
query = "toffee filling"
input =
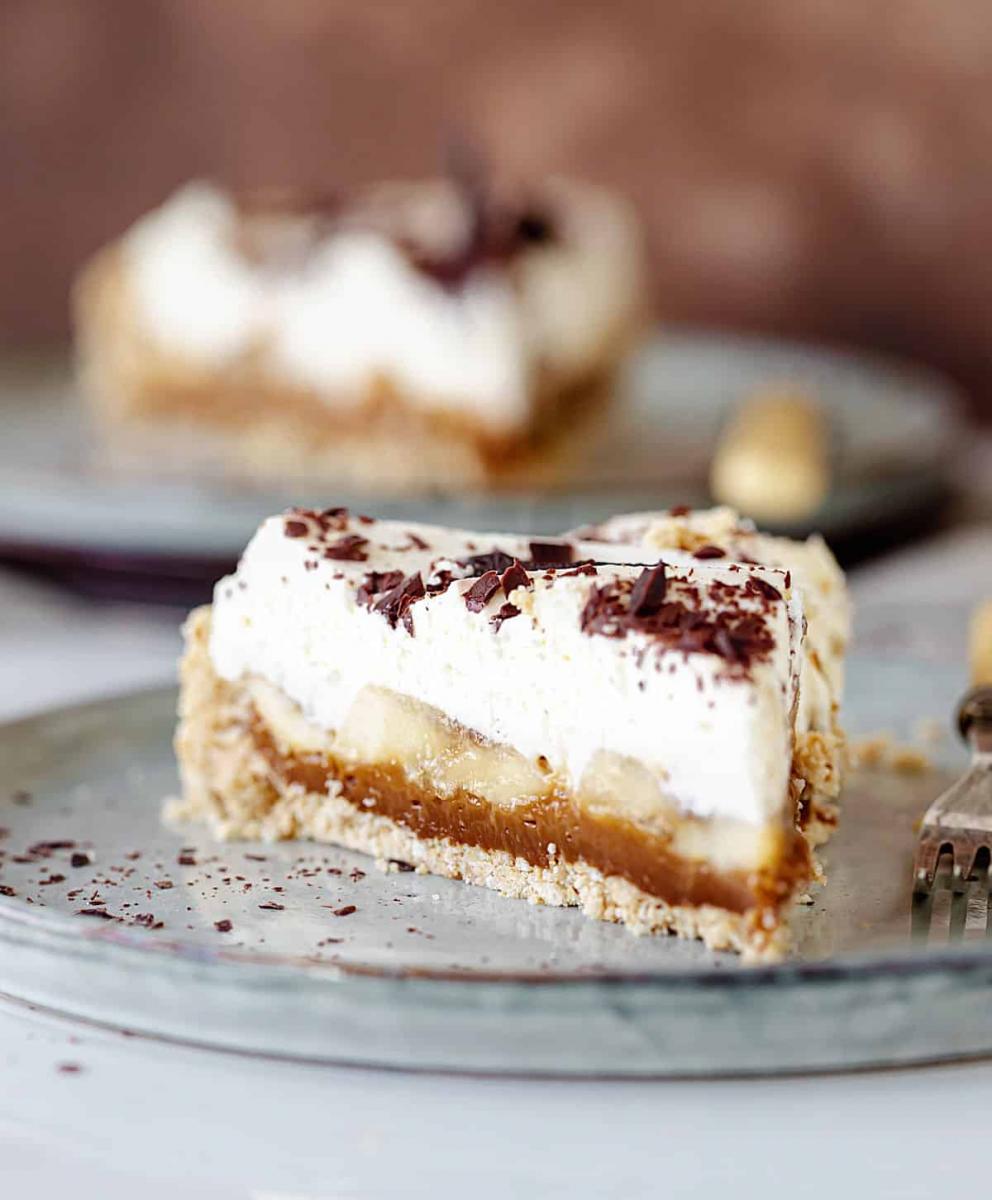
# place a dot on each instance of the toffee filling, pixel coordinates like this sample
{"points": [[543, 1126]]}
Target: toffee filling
{"points": [[542, 829]]}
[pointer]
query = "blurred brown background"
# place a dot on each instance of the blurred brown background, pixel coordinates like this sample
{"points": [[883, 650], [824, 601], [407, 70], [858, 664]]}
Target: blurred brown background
{"points": [[821, 167]]}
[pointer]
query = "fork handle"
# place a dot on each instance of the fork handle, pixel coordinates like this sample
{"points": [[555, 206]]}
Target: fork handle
{"points": [[975, 714], [980, 645], [975, 709]]}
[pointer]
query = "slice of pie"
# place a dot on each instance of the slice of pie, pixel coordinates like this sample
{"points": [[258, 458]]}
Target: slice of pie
{"points": [[414, 335], [639, 723]]}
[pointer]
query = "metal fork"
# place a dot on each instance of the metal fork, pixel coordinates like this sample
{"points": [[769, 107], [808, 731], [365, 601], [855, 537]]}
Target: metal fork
{"points": [[954, 852]]}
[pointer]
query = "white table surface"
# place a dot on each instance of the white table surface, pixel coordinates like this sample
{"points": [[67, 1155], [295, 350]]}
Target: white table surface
{"points": [[144, 1119]]}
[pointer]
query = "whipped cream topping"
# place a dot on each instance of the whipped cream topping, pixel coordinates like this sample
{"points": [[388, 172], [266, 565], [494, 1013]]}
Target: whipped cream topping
{"points": [[323, 605], [355, 310], [813, 568]]}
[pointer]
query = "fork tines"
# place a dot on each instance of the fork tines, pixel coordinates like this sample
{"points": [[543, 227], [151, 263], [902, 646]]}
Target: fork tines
{"points": [[950, 900], [953, 855]]}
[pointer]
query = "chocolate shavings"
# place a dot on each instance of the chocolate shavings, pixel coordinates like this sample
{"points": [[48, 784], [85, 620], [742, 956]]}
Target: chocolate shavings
{"points": [[377, 582], [301, 522], [395, 604], [550, 554], [505, 613], [513, 577], [761, 587], [494, 234], [649, 591], [494, 560], [481, 592], [349, 548], [620, 607]]}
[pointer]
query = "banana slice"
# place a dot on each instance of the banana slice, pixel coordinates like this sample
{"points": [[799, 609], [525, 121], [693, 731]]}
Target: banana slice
{"points": [[773, 459]]}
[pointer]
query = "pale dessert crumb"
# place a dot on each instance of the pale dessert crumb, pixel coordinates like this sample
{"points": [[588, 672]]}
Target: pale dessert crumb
{"points": [[907, 760], [931, 731], [882, 752]]}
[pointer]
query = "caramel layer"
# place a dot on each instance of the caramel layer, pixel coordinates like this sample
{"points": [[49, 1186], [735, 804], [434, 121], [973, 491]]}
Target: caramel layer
{"points": [[542, 829]]}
